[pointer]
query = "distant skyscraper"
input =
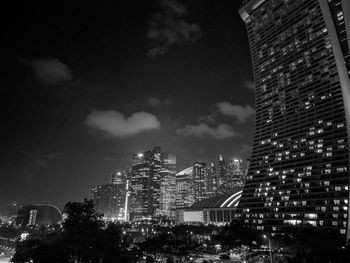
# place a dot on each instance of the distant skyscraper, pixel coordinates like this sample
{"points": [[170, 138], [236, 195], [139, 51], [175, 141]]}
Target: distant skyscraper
{"points": [[298, 175], [110, 200], [118, 177], [222, 173], [236, 174], [212, 181], [184, 188], [200, 174], [14, 208], [149, 171], [167, 185]]}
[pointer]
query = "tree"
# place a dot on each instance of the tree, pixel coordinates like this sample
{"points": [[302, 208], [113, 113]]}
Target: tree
{"points": [[165, 246], [81, 230]]}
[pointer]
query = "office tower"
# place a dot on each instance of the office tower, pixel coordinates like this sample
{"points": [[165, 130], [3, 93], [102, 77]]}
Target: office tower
{"points": [[221, 173], [200, 173], [118, 177], [139, 186], [298, 175], [13, 210], [184, 188], [167, 186], [148, 172], [230, 175], [110, 200], [38, 215], [212, 181], [236, 174]]}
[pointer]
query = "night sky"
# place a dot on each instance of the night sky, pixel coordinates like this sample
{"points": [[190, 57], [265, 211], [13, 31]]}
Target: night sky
{"points": [[86, 85]]}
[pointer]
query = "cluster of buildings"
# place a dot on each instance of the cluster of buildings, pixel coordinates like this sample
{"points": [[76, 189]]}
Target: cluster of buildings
{"points": [[152, 189], [298, 176]]}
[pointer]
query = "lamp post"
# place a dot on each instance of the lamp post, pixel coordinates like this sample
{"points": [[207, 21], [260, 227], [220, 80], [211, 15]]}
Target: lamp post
{"points": [[266, 237]]}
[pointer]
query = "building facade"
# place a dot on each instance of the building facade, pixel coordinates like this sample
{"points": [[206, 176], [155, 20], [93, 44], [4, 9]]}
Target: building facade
{"points": [[298, 175], [212, 181], [184, 188], [199, 181], [152, 175], [237, 174], [230, 174], [110, 201], [168, 186]]}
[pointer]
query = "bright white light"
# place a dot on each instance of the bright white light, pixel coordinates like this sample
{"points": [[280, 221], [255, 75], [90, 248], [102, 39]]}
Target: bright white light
{"points": [[140, 155]]}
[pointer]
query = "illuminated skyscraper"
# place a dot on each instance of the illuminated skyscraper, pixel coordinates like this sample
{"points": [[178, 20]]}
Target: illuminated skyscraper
{"points": [[222, 173], [236, 173], [212, 181], [299, 169], [230, 175], [109, 200], [167, 185], [184, 188], [200, 173], [152, 173]]}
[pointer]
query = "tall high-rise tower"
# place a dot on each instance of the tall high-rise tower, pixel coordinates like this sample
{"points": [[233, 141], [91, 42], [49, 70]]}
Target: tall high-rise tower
{"points": [[167, 185], [184, 188], [299, 169], [152, 173], [200, 174]]}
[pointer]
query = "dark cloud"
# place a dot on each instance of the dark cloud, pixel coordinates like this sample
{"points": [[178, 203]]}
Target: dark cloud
{"points": [[249, 84], [48, 70], [169, 27], [40, 159], [222, 131], [210, 118], [116, 124], [156, 102], [242, 113]]}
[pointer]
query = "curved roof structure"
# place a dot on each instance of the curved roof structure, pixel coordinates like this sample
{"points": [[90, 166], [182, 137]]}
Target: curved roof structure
{"points": [[222, 201], [39, 214], [186, 171]]}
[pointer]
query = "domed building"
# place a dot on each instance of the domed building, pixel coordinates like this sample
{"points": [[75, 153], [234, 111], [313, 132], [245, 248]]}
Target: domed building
{"points": [[38, 214], [218, 210]]}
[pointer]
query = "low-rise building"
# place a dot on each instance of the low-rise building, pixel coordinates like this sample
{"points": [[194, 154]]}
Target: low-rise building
{"points": [[218, 210]]}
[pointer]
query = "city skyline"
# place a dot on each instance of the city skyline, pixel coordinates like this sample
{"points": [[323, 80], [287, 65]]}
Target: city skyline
{"points": [[176, 131], [87, 86], [151, 187]]}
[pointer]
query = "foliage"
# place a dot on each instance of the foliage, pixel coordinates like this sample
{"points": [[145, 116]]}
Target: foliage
{"points": [[224, 256], [236, 234], [84, 238], [166, 246], [318, 247]]}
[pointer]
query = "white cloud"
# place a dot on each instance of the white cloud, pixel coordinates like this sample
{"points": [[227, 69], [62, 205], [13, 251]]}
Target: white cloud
{"points": [[116, 124], [48, 70], [223, 131], [242, 113]]}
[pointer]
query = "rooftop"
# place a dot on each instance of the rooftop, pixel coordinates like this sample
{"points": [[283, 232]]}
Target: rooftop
{"points": [[222, 201]]}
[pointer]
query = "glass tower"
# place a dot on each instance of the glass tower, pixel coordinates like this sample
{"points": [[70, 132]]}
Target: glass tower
{"points": [[152, 185], [299, 169]]}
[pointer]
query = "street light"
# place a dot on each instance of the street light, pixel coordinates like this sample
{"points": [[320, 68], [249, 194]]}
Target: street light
{"points": [[266, 237]]}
